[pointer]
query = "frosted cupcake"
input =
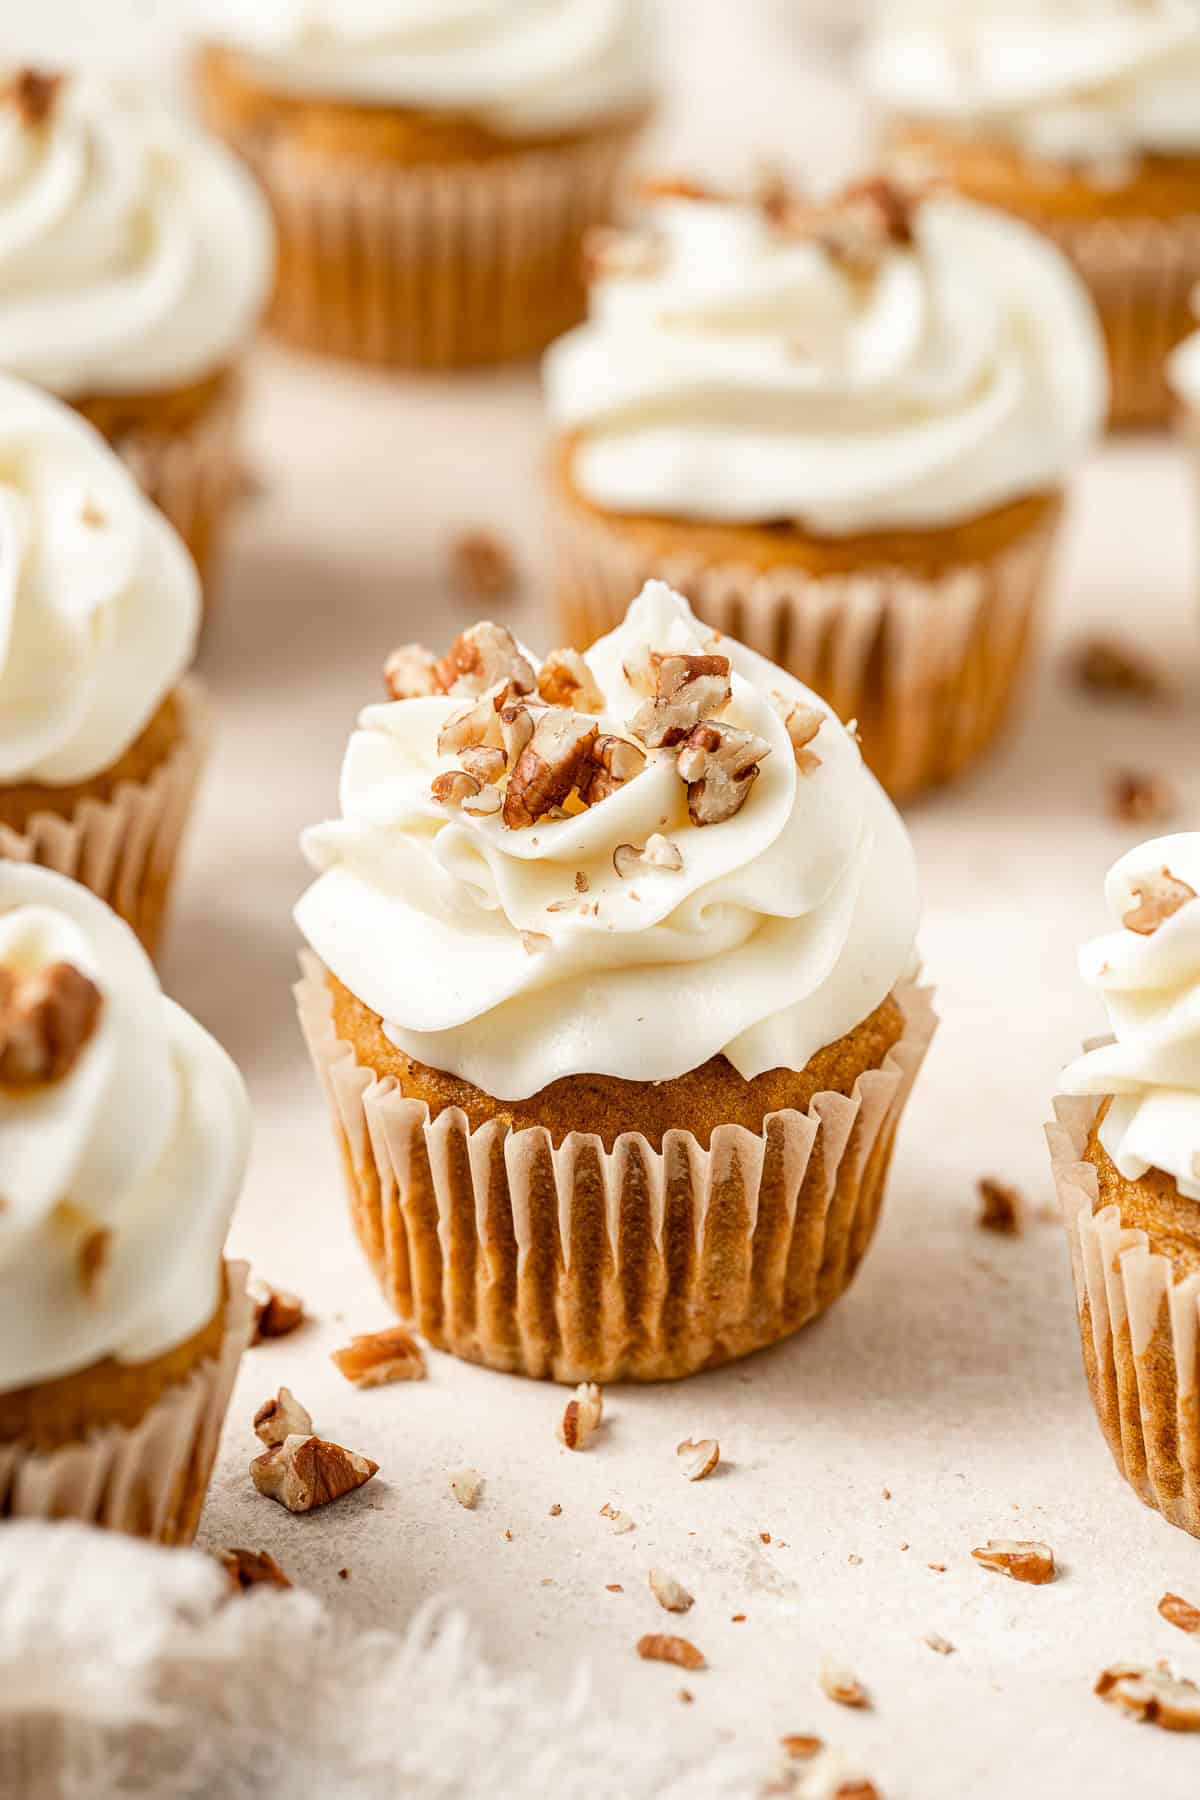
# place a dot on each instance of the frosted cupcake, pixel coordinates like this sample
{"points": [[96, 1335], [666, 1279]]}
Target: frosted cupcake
{"points": [[101, 739], [433, 169], [1126, 1152], [123, 1138], [1082, 117], [135, 261], [844, 432], [611, 998]]}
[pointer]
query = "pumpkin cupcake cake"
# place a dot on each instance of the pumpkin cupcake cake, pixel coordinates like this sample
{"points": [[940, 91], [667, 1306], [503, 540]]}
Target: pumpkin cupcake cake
{"points": [[432, 169], [1083, 118], [611, 995], [135, 261], [101, 737], [123, 1137], [1126, 1152], [844, 431]]}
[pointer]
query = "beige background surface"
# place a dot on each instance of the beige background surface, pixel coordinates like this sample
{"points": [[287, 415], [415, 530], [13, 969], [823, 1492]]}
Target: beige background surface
{"points": [[950, 1375]]}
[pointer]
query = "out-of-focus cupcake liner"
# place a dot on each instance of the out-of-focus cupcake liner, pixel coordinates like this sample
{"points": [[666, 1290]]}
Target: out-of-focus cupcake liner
{"points": [[434, 266], [579, 1263], [149, 1479], [929, 667], [126, 849], [1140, 1331]]}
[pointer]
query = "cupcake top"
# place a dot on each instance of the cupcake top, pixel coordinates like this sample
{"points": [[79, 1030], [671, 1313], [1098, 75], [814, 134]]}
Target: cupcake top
{"points": [[135, 252], [99, 600], [123, 1137], [523, 67], [879, 361], [1148, 970], [617, 864], [1081, 81]]}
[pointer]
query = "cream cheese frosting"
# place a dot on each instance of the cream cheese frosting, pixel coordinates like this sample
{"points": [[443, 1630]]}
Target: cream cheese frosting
{"points": [[145, 1139], [1091, 81], [512, 957], [1184, 369], [742, 373], [1151, 987], [135, 252], [522, 66], [99, 600]]}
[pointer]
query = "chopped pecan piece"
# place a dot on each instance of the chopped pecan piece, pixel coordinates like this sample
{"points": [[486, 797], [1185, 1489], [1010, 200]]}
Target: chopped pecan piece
{"points": [[620, 1521], [1104, 666], [614, 761], [281, 1418], [1180, 1612], [47, 1020], [581, 1416], [1160, 895], [482, 566], [698, 1457], [1021, 1559], [516, 729], [277, 1312], [1138, 798], [564, 679], [34, 93], [720, 765], [251, 1568], [552, 764], [802, 1745], [942, 1646], [841, 1684], [1002, 1208], [454, 786], [303, 1473], [671, 1595], [375, 1358], [687, 689], [657, 853], [476, 726], [802, 723], [487, 765], [410, 673], [658, 1646], [466, 1485], [1152, 1696], [480, 658], [892, 207]]}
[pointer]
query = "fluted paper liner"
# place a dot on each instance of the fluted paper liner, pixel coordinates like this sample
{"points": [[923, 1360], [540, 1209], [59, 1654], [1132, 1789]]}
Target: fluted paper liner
{"points": [[434, 265], [1140, 1331], [125, 849], [149, 1479], [928, 667], [586, 1264]]}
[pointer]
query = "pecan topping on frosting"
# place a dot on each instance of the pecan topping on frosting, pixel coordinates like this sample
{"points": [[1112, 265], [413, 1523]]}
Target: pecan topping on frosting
{"points": [[687, 689], [481, 657], [554, 762], [475, 725], [614, 762], [410, 672], [47, 1020], [720, 764], [1160, 895], [564, 679], [33, 92]]}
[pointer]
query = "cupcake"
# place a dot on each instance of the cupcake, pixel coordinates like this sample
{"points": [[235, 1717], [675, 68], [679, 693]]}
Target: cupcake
{"points": [[611, 993], [135, 260], [843, 431], [123, 1139], [1083, 118], [432, 170], [101, 740], [1126, 1152]]}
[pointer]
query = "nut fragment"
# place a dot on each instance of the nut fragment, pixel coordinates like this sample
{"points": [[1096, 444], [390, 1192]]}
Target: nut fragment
{"points": [[482, 656], [687, 689], [1001, 1208], [303, 1473], [466, 1485], [720, 765], [553, 762], [614, 762], [1160, 895], [564, 679], [658, 1646], [1115, 670], [841, 1684], [484, 763], [482, 566], [454, 787], [477, 724], [92, 1263], [1020, 1558], [281, 1418], [375, 1358], [632, 255], [410, 672], [671, 1595], [277, 1311], [802, 1745], [516, 729], [659, 852], [581, 1416], [1152, 1695], [938, 1643], [33, 92], [251, 1568], [1136, 797], [1180, 1612], [802, 723], [47, 1020], [698, 1457], [620, 1521]]}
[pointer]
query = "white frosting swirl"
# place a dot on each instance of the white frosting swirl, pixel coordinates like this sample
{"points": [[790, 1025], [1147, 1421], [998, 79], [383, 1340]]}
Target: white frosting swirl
{"points": [[785, 927], [1090, 81], [1184, 369], [1151, 987], [145, 1139], [99, 600], [522, 66], [135, 252], [749, 377]]}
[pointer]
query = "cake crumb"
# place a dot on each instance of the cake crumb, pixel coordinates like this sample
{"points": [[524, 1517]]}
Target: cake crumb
{"points": [[1001, 1207], [482, 566]]}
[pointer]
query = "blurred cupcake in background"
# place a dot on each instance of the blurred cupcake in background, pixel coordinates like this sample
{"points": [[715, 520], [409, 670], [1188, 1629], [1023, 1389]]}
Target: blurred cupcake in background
{"points": [[124, 1130], [432, 168], [101, 738], [844, 432], [1126, 1150], [1082, 117], [135, 261], [1184, 376]]}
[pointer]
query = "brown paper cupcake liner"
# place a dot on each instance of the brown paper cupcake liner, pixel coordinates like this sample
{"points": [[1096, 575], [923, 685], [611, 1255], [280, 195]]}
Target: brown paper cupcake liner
{"points": [[929, 667], [434, 266], [631, 1264], [125, 849], [149, 1479], [1140, 1331]]}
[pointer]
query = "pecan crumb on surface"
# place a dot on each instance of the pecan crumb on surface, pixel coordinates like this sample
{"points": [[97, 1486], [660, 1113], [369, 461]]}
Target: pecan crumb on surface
{"points": [[613, 1587], [281, 1418], [686, 1696], [277, 1311], [581, 1416], [1137, 797], [251, 1568], [1105, 666], [1180, 1612], [1152, 1695], [466, 1485], [620, 1521], [1022, 1559], [671, 1595], [1160, 895], [375, 1358], [938, 1643], [482, 565], [841, 1684], [47, 1020], [1001, 1207], [34, 92], [658, 1646], [303, 1473], [802, 1745], [698, 1457], [556, 1511]]}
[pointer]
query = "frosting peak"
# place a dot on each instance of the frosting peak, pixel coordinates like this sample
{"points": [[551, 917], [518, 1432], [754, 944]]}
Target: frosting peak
{"points": [[763, 916]]}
